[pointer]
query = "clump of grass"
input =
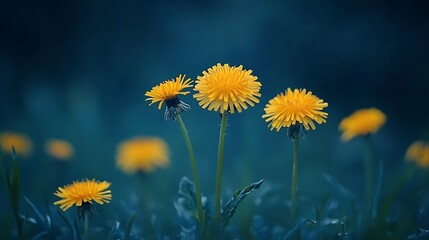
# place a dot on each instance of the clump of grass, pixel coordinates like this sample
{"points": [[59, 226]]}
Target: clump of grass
{"points": [[12, 180]]}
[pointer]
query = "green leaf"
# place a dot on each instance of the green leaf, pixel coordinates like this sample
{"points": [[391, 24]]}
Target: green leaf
{"points": [[48, 215], [229, 209], [68, 223], [378, 184], [39, 215], [76, 228], [24, 223], [187, 191], [42, 235], [14, 181], [4, 172], [14, 189], [186, 208], [338, 186], [129, 225], [113, 231], [26, 219]]}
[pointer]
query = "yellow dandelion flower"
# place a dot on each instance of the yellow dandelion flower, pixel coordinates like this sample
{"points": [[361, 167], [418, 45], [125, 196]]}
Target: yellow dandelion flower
{"points": [[361, 123], [292, 107], [224, 88], [168, 92], [418, 152], [142, 154], [83, 192], [59, 149], [22, 143]]}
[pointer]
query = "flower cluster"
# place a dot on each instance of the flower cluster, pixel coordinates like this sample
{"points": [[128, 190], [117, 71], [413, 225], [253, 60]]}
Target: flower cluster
{"points": [[225, 88]]}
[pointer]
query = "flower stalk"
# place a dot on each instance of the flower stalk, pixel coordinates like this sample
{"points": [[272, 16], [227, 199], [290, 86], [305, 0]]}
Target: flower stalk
{"points": [[369, 174], [294, 175], [86, 225], [220, 166], [194, 171], [298, 110]]}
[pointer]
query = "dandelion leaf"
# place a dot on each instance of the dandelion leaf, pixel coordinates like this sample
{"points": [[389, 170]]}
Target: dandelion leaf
{"points": [[186, 208], [230, 207], [187, 191]]}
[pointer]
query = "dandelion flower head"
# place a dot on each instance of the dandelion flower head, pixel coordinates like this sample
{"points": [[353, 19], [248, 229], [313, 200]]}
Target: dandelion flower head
{"points": [[83, 192], [59, 149], [418, 152], [225, 89], [292, 107], [168, 92], [361, 123], [142, 154], [20, 142]]}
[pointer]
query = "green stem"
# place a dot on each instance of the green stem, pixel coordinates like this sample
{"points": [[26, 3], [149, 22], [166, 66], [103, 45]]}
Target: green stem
{"points": [[294, 175], [194, 172], [147, 203], [85, 225], [14, 192], [219, 165], [369, 171], [408, 173], [146, 192]]}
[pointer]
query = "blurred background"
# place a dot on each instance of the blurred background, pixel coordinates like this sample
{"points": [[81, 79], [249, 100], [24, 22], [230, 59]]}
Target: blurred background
{"points": [[78, 71]]}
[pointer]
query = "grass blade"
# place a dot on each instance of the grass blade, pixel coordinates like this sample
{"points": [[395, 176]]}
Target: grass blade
{"points": [[338, 186], [36, 211], [113, 231], [68, 223], [76, 227], [377, 189], [129, 225], [41, 235], [48, 215], [4, 172], [14, 190]]}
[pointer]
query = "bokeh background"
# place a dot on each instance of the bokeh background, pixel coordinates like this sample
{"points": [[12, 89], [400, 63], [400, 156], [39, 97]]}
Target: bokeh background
{"points": [[78, 70]]}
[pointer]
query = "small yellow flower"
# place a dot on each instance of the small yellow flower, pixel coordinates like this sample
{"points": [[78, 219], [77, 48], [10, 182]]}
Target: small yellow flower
{"points": [[292, 107], [59, 149], [22, 143], [224, 88], [168, 92], [142, 154], [361, 123], [419, 153], [83, 192]]}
